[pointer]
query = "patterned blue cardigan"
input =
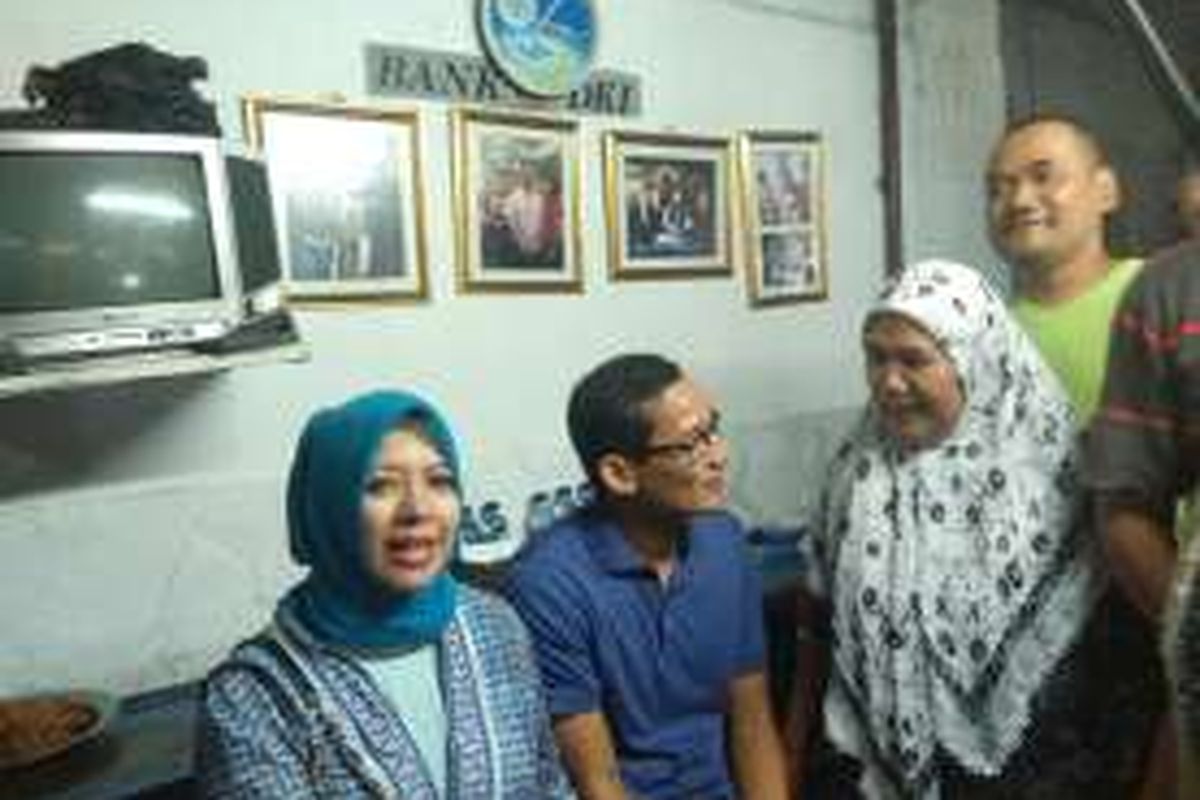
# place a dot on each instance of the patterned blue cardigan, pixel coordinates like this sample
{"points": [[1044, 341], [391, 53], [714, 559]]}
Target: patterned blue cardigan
{"points": [[284, 717]]}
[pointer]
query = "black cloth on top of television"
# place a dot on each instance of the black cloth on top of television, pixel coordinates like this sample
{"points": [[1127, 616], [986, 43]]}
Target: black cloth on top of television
{"points": [[128, 87]]}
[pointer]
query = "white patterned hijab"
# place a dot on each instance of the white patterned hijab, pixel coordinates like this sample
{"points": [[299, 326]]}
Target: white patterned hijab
{"points": [[957, 573]]}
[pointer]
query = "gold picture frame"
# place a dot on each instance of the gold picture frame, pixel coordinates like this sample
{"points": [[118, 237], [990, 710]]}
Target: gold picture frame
{"points": [[667, 200], [516, 202], [783, 208], [348, 195]]}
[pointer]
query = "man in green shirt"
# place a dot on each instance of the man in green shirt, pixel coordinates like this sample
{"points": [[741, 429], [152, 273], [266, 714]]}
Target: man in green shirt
{"points": [[1050, 190]]}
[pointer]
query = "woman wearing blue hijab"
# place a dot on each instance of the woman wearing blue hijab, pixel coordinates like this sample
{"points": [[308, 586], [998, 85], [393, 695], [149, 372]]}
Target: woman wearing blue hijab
{"points": [[380, 676]]}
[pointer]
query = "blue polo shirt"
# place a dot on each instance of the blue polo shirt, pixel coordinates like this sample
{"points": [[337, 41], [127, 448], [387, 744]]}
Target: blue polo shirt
{"points": [[656, 659]]}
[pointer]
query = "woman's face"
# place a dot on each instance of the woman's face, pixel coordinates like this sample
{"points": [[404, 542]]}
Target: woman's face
{"points": [[410, 511], [914, 386]]}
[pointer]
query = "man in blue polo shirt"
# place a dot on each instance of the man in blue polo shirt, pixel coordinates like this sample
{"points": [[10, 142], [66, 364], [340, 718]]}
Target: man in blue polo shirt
{"points": [[644, 611]]}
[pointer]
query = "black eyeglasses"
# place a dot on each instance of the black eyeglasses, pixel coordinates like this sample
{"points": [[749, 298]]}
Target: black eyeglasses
{"points": [[689, 449]]}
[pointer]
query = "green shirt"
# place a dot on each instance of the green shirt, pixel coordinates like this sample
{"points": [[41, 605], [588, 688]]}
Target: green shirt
{"points": [[1073, 336]]}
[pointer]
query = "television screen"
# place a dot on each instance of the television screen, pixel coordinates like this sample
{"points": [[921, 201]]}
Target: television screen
{"points": [[104, 229]]}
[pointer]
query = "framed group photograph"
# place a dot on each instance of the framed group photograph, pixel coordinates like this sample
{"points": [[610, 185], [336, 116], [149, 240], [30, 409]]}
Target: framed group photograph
{"points": [[347, 195], [783, 190], [516, 202], [667, 201]]}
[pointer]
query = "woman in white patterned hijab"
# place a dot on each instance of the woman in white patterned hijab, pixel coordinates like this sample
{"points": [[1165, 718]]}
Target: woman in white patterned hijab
{"points": [[950, 539]]}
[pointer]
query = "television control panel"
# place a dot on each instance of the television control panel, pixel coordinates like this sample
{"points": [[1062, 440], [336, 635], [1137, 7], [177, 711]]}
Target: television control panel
{"points": [[112, 340]]}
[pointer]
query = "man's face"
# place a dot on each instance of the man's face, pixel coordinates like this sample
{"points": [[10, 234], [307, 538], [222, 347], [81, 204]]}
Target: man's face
{"points": [[1187, 204], [682, 468], [1048, 195]]}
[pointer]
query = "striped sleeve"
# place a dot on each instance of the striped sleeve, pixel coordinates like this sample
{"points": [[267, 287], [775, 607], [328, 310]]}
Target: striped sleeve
{"points": [[1145, 441]]}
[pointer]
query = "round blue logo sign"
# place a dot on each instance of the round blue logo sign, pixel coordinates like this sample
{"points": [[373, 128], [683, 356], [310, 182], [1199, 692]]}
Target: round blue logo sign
{"points": [[545, 47]]}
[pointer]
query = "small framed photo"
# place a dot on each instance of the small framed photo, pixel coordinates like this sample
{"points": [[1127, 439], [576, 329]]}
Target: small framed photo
{"points": [[783, 205], [347, 195], [667, 198], [516, 202]]}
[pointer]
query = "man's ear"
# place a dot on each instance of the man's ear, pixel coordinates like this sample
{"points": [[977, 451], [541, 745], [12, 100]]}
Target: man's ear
{"points": [[617, 474], [1109, 188]]}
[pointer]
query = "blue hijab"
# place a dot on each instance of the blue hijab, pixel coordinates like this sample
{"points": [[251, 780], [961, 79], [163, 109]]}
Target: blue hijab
{"points": [[340, 602]]}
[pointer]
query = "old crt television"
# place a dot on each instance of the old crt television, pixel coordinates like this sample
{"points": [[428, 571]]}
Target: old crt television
{"points": [[119, 241]]}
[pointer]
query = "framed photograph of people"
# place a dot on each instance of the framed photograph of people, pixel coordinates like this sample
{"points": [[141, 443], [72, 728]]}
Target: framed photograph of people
{"points": [[347, 194], [667, 199], [516, 202], [783, 191]]}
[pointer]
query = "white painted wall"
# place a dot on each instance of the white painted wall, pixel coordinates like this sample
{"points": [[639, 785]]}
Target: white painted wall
{"points": [[952, 96], [140, 525]]}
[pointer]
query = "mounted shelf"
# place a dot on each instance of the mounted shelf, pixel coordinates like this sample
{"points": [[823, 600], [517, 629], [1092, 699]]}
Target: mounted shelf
{"points": [[105, 370]]}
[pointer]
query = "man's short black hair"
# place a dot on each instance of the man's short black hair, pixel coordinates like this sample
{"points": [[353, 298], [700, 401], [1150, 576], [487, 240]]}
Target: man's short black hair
{"points": [[606, 413], [1088, 137]]}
